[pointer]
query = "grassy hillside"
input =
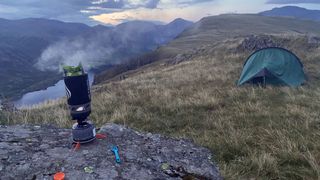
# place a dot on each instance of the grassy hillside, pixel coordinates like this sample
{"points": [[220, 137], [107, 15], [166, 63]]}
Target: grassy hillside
{"points": [[216, 28], [259, 133]]}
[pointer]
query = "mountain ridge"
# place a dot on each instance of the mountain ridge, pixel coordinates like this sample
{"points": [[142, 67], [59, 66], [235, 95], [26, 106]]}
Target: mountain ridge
{"points": [[293, 11]]}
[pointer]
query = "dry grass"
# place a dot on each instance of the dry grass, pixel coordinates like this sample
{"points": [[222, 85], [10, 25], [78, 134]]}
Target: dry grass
{"points": [[271, 133]]}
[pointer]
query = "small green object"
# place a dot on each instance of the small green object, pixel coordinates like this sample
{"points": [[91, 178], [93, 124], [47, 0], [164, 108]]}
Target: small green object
{"points": [[165, 166], [73, 70], [88, 169]]}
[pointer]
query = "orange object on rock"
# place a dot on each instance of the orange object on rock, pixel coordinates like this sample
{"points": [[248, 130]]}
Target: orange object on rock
{"points": [[76, 146], [59, 176], [101, 136]]}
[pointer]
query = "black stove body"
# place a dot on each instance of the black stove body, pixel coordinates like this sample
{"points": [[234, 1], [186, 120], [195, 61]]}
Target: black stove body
{"points": [[79, 102]]}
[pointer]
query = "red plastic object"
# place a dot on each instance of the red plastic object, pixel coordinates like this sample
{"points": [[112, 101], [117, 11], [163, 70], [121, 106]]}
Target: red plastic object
{"points": [[101, 136], [76, 146], [59, 176]]}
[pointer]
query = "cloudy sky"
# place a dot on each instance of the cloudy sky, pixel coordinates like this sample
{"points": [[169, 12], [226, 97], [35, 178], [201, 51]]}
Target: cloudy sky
{"points": [[117, 11]]}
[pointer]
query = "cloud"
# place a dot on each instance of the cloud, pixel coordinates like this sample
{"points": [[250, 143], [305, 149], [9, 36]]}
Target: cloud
{"points": [[82, 10], [293, 2], [68, 10], [190, 2], [157, 14], [156, 10], [151, 4], [90, 53], [112, 4], [134, 14]]}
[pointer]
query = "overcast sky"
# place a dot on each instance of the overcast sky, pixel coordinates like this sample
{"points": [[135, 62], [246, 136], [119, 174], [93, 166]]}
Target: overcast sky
{"points": [[117, 11]]}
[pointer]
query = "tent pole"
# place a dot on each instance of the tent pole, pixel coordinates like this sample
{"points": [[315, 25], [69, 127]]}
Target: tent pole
{"points": [[264, 81]]}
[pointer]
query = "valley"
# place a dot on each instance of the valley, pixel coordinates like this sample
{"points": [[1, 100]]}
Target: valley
{"points": [[33, 50]]}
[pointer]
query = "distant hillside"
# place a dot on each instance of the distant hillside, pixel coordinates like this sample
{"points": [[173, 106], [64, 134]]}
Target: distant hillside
{"points": [[43, 28], [22, 42], [294, 11], [32, 50], [217, 28]]}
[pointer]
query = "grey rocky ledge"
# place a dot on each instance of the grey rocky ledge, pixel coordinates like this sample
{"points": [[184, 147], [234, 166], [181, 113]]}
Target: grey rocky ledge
{"points": [[34, 152]]}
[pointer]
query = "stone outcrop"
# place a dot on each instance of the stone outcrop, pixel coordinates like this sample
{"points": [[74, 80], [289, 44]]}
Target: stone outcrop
{"points": [[314, 40], [34, 152], [254, 42]]}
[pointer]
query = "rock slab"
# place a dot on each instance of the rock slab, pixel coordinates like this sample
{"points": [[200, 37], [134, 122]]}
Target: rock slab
{"points": [[34, 152]]}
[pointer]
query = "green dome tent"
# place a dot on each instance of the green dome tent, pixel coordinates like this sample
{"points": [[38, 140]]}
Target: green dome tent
{"points": [[276, 66]]}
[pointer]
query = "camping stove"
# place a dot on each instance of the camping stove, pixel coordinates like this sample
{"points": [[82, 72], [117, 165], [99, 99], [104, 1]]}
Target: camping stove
{"points": [[79, 101]]}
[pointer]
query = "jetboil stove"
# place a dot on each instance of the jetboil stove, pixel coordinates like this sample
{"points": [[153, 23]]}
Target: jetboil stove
{"points": [[79, 102]]}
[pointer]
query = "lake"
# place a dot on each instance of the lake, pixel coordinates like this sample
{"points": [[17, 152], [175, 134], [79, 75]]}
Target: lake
{"points": [[51, 93]]}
